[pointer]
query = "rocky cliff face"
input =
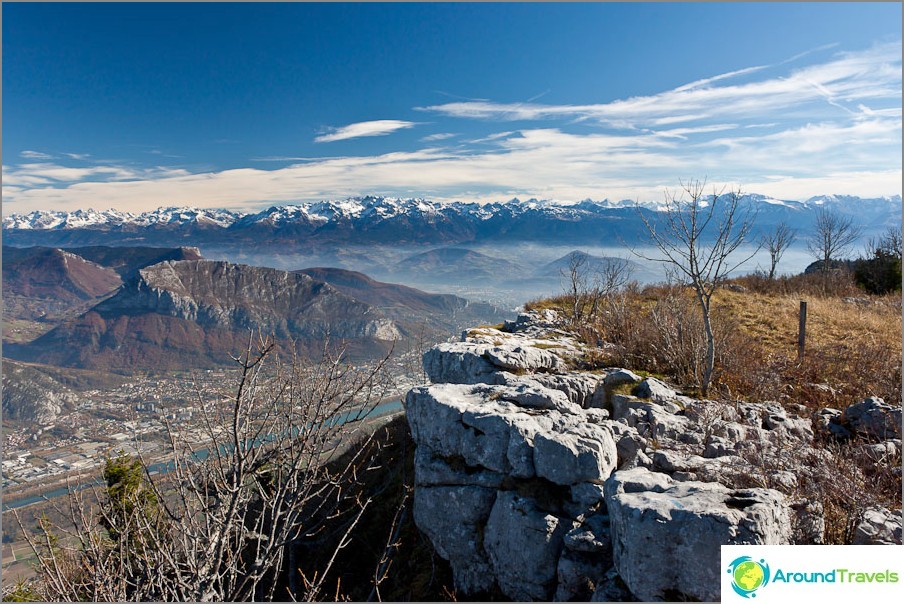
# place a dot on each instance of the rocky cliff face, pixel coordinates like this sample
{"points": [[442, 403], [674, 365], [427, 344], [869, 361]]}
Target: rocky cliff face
{"points": [[199, 312], [32, 396], [555, 484], [237, 296]]}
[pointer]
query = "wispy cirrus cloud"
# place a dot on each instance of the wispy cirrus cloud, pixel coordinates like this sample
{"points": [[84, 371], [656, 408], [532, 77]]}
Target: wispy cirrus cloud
{"points": [[35, 155], [439, 136], [46, 174], [371, 128], [850, 77], [829, 127]]}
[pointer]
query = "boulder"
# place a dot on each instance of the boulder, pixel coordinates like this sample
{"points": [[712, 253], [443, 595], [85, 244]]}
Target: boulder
{"points": [[452, 420], [667, 535], [577, 575], [580, 453], [879, 526], [453, 519], [580, 388], [617, 377], [885, 452], [474, 423], [655, 390], [874, 418], [828, 421], [432, 470], [459, 363], [523, 543], [524, 358]]}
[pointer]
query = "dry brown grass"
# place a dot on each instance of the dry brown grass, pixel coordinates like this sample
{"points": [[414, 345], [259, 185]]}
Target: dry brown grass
{"points": [[853, 351], [853, 347]]}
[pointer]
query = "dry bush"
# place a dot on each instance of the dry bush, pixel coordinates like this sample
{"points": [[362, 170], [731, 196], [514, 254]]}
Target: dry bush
{"points": [[853, 349], [222, 523], [838, 283], [846, 481]]}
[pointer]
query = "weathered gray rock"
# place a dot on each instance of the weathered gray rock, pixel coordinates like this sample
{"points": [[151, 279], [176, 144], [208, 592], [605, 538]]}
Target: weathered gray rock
{"points": [[828, 421], [476, 423], [580, 388], [635, 409], [586, 495], [577, 575], [666, 535], [516, 357], [611, 588], [523, 543], [672, 461], [531, 394], [452, 420], [433, 470], [617, 377], [592, 536], [717, 446], [809, 522], [546, 319], [514, 473], [885, 452], [880, 526], [459, 363], [655, 390], [596, 416], [776, 418], [874, 418], [629, 444], [581, 453], [453, 520]]}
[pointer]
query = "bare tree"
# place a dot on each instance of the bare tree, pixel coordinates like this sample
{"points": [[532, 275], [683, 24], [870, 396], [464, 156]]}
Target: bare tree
{"points": [[221, 523], [887, 244], [832, 236], [575, 277], [612, 276], [776, 242], [697, 236], [586, 286]]}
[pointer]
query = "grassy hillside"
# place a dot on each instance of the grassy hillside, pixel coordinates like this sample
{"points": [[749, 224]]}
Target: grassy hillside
{"points": [[853, 344]]}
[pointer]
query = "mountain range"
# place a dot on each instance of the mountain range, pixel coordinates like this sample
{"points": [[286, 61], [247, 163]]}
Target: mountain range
{"points": [[380, 220], [185, 311]]}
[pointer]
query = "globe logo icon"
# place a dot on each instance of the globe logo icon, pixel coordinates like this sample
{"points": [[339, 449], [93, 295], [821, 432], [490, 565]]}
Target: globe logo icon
{"points": [[748, 575]]}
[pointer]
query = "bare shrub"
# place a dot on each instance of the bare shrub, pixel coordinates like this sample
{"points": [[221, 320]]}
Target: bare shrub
{"points": [[837, 283], [221, 522]]}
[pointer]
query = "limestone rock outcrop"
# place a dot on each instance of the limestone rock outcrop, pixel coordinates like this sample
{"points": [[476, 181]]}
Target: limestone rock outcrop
{"points": [[551, 483], [666, 534]]}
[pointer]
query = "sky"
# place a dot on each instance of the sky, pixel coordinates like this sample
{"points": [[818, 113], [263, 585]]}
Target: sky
{"points": [[246, 105]]}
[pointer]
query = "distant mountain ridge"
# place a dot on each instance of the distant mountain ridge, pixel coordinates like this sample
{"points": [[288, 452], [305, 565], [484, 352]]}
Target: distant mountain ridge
{"points": [[200, 313], [381, 220]]}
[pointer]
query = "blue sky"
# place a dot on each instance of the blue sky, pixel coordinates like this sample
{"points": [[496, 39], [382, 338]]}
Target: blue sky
{"points": [[136, 106]]}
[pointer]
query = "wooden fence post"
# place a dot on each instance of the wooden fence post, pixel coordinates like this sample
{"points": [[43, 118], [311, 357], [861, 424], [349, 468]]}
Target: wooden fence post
{"points": [[802, 331]]}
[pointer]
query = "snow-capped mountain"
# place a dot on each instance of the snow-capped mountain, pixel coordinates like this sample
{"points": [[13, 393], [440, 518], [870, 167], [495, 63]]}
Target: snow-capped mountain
{"points": [[417, 220], [81, 219]]}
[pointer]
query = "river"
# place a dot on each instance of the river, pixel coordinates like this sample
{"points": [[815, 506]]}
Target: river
{"points": [[380, 410]]}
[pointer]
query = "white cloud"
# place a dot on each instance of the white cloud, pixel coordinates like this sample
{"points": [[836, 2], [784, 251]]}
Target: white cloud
{"points": [[871, 74], [35, 155], [547, 163], [729, 133], [440, 136], [79, 156], [372, 128]]}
